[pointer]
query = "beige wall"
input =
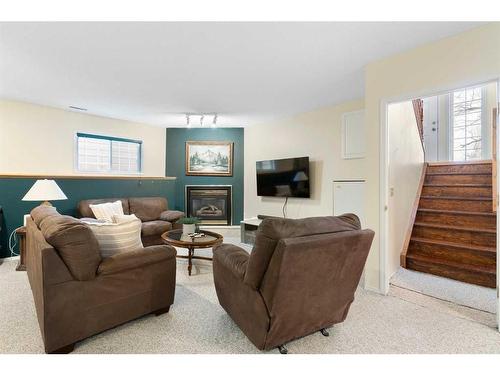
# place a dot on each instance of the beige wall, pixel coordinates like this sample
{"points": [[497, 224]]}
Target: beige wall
{"points": [[458, 61], [406, 160], [41, 140], [315, 134]]}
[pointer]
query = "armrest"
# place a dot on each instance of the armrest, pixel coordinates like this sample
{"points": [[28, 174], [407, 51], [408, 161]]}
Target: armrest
{"points": [[171, 215], [233, 258], [136, 259]]}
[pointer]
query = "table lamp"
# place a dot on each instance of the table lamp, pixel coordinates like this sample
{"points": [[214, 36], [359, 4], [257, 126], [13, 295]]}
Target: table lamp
{"points": [[45, 191]]}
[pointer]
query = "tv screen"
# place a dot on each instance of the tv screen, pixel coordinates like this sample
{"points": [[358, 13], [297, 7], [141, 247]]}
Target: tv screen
{"points": [[283, 178]]}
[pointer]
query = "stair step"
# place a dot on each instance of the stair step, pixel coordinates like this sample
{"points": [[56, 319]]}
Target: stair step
{"points": [[455, 252], [460, 198], [456, 227], [458, 173], [475, 204], [480, 275], [458, 218], [458, 178], [459, 190], [483, 166], [492, 214], [459, 185], [455, 234]]}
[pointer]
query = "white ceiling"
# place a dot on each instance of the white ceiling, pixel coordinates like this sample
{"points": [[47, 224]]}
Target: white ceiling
{"points": [[153, 72]]}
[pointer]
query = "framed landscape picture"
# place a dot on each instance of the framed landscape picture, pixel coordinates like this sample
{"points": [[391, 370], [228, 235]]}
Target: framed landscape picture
{"points": [[209, 158]]}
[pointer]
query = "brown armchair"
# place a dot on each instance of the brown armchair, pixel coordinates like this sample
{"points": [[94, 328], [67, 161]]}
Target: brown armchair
{"points": [[77, 293], [300, 277]]}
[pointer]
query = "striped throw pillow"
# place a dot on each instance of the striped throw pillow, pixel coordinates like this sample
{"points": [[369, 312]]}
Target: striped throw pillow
{"points": [[117, 238]]}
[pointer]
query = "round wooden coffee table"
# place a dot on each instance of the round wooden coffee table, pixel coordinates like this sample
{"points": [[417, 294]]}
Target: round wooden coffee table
{"points": [[176, 238]]}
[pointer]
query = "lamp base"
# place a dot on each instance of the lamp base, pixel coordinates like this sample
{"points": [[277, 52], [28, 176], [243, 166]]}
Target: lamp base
{"points": [[46, 203]]}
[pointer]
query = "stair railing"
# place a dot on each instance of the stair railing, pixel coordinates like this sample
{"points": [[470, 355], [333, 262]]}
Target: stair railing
{"points": [[418, 108]]}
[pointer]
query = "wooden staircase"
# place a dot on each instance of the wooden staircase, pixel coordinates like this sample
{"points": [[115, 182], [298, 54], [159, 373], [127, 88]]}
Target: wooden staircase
{"points": [[454, 229]]}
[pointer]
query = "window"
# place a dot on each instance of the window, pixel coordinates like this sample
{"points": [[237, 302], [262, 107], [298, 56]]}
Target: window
{"points": [[466, 115], [97, 153]]}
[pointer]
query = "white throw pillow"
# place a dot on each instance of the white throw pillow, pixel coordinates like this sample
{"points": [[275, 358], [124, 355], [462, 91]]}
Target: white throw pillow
{"points": [[117, 238], [105, 211]]}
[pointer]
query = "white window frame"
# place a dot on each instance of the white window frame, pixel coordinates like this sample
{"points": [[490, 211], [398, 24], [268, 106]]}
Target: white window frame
{"points": [[451, 120], [108, 171]]}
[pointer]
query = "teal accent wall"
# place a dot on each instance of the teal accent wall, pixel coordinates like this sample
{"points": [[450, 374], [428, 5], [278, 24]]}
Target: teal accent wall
{"points": [[176, 163], [12, 190]]}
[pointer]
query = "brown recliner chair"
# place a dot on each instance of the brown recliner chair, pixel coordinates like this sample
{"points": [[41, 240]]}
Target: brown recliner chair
{"points": [[153, 212], [300, 277], [77, 294]]}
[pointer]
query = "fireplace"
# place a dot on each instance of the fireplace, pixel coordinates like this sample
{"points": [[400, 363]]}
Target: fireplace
{"points": [[211, 204]]}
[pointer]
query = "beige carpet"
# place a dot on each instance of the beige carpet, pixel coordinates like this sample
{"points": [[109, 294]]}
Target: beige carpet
{"points": [[470, 295], [197, 324]]}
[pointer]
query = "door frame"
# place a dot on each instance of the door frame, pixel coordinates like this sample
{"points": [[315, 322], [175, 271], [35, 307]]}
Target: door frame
{"points": [[384, 277]]}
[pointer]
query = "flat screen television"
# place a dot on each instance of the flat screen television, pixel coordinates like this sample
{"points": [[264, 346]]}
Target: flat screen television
{"points": [[283, 178]]}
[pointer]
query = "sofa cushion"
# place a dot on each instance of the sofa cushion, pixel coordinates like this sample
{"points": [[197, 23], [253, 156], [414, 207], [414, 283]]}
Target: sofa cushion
{"points": [[272, 230], [105, 211], [85, 210], [122, 236], [171, 215], [148, 208], [155, 227], [75, 243]]}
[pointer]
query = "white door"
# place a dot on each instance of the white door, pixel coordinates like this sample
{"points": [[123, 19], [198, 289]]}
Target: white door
{"points": [[431, 128], [349, 197]]}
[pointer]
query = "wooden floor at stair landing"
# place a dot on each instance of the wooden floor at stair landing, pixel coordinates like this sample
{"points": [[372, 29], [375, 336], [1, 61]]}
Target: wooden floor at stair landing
{"points": [[454, 232]]}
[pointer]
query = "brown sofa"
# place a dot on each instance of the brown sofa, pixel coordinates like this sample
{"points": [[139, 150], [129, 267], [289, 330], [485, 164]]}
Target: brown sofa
{"points": [[77, 294], [152, 211], [300, 277]]}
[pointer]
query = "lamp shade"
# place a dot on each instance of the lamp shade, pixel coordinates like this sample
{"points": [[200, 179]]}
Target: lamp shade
{"points": [[44, 190]]}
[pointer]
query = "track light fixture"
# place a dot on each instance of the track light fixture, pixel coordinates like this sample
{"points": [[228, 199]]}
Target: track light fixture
{"points": [[190, 117]]}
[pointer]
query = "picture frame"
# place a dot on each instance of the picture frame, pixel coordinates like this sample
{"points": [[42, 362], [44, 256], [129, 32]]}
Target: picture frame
{"points": [[209, 158]]}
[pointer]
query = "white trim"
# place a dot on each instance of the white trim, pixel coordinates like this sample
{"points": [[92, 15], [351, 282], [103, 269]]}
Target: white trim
{"points": [[384, 200], [497, 135]]}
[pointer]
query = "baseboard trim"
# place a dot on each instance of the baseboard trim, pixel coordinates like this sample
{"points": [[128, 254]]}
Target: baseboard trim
{"points": [[374, 290], [10, 259]]}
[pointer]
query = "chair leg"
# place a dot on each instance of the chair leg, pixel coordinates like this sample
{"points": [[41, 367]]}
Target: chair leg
{"points": [[64, 350], [324, 332], [283, 349], [162, 311]]}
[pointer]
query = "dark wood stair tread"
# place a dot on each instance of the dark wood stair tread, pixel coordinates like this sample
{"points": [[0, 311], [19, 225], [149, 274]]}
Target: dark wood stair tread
{"points": [[456, 198], [448, 163], [461, 266], [485, 249], [453, 227], [458, 173], [459, 185], [454, 212]]}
